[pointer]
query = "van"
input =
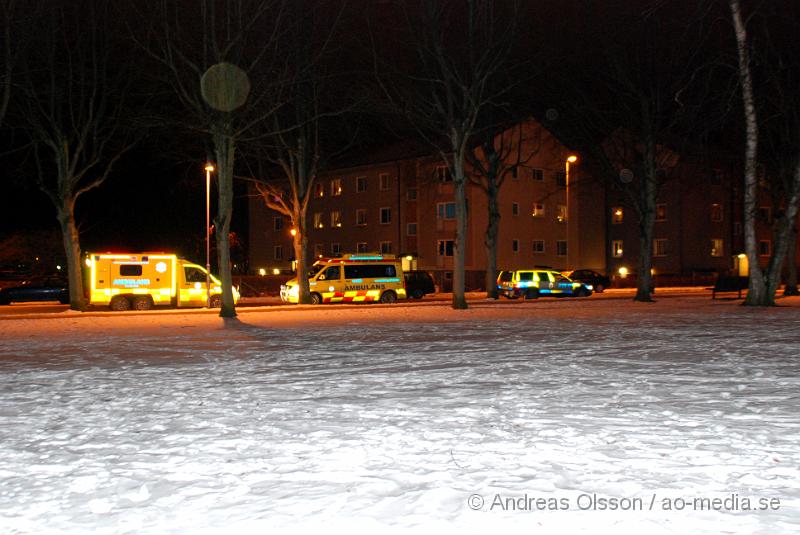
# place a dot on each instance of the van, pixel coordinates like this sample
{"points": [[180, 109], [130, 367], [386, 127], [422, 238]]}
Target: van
{"points": [[353, 278], [139, 281]]}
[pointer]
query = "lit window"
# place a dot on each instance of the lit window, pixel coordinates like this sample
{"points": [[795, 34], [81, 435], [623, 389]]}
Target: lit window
{"points": [[538, 210], [336, 187], [716, 247], [716, 212], [336, 219], [561, 216], [411, 229], [319, 189], [561, 248], [385, 181], [361, 217], [660, 247], [318, 220], [386, 216], [616, 248], [361, 184], [386, 247], [446, 210], [538, 246], [661, 212], [617, 215], [514, 246], [444, 247]]}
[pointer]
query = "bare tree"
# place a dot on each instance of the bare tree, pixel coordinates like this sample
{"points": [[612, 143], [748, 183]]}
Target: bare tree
{"points": [[73, 103], [220, 59], [9, 53], [636, 101], [501, 151], [783, 143], [460, 48], [308, 130]]}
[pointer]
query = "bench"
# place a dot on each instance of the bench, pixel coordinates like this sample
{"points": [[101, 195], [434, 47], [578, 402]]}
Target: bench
{"points": [[729, 284]]}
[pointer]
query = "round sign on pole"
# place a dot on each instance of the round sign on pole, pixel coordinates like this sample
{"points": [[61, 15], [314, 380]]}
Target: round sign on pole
{"points": [[626, 176], [225, 87]]}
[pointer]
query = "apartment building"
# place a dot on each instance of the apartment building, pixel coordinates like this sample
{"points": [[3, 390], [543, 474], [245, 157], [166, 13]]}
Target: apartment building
{"points": [[553, 213]]}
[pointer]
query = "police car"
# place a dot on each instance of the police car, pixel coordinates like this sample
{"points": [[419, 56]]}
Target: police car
{"points": [[533, 283]]}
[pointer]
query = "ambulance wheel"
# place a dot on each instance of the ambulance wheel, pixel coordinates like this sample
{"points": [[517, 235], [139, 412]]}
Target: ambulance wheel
{"points": [[119, 303], [388, 297], [216, 301], [142, 302], [316, 299], [418, 294]]}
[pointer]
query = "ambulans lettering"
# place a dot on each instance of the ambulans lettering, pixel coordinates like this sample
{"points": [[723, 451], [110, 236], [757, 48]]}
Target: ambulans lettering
{"points": [[129, 283], [358, 287]]}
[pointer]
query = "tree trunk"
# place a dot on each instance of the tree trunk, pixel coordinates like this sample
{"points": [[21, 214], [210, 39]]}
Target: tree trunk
{"points": [[783, 237], [647, 219], [69, 233], [492, 230], [224, 148], [460, 198], [757, 290], [791, 263], [300, 244]]}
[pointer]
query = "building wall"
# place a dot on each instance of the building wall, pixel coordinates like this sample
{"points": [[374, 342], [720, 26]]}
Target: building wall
{"points": [[420, 223]]}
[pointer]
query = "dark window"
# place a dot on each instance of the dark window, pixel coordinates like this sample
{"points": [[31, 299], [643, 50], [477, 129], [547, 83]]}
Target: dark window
{"points": [[331, 274], [192, 274], [131, 270], [505, 276], [526, 276], [369, 271]]}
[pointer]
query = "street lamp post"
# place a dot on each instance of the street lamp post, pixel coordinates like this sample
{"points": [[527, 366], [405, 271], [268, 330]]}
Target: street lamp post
{"points": [[209, 168], [570, 159]]}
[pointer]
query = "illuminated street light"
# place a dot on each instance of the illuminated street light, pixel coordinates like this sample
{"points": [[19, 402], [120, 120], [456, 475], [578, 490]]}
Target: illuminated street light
{"points": [[209, 169]]}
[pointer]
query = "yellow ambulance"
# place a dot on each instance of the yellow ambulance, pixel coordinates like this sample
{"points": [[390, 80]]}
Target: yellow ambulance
{"points": [[124, 281], [353, 278]]}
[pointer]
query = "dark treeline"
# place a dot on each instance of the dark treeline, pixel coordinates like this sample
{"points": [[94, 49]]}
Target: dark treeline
{"points": [[106, 125]]}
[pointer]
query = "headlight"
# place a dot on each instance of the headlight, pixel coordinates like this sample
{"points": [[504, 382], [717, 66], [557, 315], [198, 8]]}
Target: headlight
{"points": [[589, 287]]}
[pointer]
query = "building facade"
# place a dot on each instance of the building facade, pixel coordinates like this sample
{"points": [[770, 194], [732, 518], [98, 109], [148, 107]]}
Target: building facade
{"points": [[552, 213]]}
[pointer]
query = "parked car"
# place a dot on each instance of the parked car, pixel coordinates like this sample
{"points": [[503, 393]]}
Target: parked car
{"points": [[419, 283], [46, 288], [533, 283], [599, 282]]}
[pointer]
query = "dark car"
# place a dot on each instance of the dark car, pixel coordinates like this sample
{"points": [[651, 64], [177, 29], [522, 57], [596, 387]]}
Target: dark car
{"points": [[46, 288], [419, 283], [596, 280]]}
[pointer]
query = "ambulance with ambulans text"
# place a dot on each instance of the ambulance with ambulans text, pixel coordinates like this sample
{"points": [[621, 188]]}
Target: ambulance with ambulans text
{"points": [[353, 278], [140, 281]]}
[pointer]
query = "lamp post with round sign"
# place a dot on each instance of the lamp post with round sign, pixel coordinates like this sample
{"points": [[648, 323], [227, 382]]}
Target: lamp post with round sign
{"points": [[209, 168]]}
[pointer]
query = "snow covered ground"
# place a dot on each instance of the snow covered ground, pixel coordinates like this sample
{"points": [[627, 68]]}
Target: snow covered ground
{"points": [[614, 417]]}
